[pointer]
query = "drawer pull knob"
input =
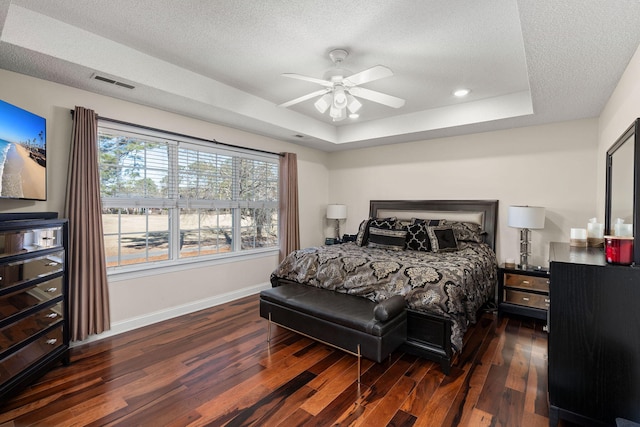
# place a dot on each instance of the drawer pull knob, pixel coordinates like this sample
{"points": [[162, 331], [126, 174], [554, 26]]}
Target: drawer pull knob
{"points": [[525, 299], [51, 290], [51, 341], [526, 282], [547, 300], [52, 315]]}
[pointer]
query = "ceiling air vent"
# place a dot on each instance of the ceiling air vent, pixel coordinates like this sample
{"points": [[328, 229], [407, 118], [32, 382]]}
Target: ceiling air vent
{"points": [[111, 81]]}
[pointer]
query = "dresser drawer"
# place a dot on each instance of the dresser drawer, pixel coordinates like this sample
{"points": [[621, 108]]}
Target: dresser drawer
{"points": [[24, 299], [526, 282], [526, 299], [16, 273], [16, 333], [29, 240], [28, 355]]}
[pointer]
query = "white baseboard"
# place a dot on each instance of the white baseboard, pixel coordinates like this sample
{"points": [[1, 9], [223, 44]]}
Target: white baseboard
{"points": [[158, 316]]}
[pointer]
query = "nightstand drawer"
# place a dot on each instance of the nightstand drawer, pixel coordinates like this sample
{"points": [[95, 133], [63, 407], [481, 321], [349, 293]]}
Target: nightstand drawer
{"points": [[526, 299], [526, 282]]}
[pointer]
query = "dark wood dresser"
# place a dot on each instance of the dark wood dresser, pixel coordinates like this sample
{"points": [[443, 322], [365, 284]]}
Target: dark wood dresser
{"points": [[594, 338], [34, 308]]}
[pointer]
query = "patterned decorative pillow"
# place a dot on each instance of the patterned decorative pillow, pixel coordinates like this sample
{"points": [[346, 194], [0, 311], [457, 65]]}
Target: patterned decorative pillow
{"points": [[442, 238], [387, 239], [363, 231], [428, 222], [417, 238], [466, 231], [402, 224], [386, 223]]}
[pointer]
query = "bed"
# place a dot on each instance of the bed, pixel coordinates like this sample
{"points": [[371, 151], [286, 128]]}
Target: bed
{"points": [[443, 290]]}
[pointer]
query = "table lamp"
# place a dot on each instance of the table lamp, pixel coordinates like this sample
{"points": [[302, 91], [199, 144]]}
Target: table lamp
{"points": [[525, 218], [337, 212]]}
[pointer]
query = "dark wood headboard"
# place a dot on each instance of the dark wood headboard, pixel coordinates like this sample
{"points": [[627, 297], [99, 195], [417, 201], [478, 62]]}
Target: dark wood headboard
{"points": [[484, 212]]}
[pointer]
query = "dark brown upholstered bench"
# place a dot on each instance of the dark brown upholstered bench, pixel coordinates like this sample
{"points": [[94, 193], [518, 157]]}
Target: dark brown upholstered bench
{"points": [[353, 324]]}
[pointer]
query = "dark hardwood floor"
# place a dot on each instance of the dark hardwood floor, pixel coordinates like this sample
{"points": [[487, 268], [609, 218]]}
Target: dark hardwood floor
{"points": [[214, 367]]}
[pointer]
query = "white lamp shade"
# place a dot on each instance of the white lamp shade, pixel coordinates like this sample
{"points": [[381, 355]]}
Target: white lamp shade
{"points": [[323, 103], [337, 114], [354, 105], [336, 211], [526, 217]]}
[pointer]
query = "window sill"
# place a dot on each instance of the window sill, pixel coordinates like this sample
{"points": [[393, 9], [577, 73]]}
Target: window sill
{"points": [[117, 274]]}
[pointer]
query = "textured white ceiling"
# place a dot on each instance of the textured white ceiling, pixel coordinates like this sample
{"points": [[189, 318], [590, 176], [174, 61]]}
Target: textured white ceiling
{"points": [[526, 61]]}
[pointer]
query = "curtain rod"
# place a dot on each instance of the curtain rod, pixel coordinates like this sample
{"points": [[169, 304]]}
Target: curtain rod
{"points": [[183, 135]]}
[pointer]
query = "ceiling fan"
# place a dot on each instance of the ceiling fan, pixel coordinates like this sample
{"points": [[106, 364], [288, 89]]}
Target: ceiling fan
{"points": [[341, 88]]}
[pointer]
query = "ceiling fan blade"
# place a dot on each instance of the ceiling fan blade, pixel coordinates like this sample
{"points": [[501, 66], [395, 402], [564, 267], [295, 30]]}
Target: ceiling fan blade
{"points": [[325, 83], [379, 97], [304, 98], [368, 75]]}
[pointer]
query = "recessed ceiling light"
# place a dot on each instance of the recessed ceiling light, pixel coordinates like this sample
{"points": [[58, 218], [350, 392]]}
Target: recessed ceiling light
{"points": [[461, 92], [354, 116]]}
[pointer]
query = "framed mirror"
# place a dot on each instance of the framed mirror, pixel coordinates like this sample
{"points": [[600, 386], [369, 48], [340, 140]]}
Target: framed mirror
{"points": [[622, 184]]}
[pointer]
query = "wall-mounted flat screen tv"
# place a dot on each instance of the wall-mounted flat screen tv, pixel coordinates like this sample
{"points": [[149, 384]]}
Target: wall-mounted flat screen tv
{"points": [[23, 154]]}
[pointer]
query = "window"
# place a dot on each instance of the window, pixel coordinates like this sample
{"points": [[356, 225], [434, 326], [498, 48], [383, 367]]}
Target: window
{"points": [[170, 200]]}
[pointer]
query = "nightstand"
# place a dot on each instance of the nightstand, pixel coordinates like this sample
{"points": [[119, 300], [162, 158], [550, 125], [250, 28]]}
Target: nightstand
{"points": [[523, 292]]}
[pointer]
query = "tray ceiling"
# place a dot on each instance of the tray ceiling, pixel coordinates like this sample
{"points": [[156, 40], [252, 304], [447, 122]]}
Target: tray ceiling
{"points": [[526, 62]]}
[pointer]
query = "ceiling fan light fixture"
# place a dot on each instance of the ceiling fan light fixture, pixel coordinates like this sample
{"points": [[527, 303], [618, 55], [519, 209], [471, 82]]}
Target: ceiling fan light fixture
{"points": [[337, 114], [341, 88], [353, 104], [339, 97], [323, 103]]}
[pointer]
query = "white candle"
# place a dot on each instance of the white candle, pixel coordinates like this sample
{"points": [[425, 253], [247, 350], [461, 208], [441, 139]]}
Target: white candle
{"points": [[595, 230], [623, 230], [579, 233]]}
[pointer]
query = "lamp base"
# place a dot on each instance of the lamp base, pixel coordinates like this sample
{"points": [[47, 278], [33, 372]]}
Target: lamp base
{"points": [[524, 248]]}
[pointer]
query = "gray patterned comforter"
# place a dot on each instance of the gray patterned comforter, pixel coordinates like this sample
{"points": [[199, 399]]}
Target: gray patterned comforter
{"points": [[451, 284]]}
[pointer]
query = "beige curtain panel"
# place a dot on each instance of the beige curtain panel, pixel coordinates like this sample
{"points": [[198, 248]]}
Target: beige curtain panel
{"points": [[88, 288], [289, 227]]}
